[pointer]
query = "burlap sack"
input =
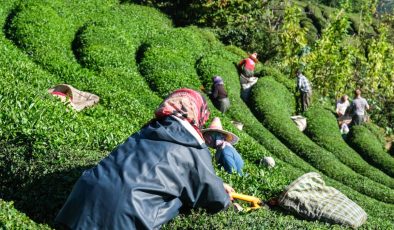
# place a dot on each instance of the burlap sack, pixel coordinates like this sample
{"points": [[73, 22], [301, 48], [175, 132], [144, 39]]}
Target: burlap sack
{"points": [[78, 99], [309, 197], [300, 121]]}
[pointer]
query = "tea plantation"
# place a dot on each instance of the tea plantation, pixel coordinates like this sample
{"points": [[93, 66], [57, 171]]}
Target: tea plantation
{"points": [[132, 56]]}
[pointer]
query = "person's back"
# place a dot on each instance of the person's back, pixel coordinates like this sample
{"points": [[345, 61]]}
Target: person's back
{"points": [[342, 106], [219, 94], [247, 65], [144, 182], [229, 158], [358, 107], [246, 77], [303, 83], [304, 86]]}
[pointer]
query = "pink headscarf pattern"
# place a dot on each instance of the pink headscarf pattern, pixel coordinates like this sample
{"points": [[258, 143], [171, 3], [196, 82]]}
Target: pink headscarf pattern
{"points": [[186, 104]]}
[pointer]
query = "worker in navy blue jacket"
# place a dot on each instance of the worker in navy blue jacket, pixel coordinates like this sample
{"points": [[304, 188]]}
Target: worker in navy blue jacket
{"points": [[144, 182]]}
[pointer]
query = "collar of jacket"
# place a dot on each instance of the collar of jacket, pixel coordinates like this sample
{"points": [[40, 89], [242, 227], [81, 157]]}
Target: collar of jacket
{"points": [[191, 130], [174, 130]]}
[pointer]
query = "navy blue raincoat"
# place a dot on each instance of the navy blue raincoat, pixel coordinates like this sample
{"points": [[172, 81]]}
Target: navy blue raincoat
{"points": [[144, 182]]}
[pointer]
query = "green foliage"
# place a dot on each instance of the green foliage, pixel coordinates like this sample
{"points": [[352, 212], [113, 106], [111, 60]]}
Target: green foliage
{"points": [[392, 150], [247, 24], [377, 132], [292, 38], [316, 15], [330, 63], [172, 52], [323, 129], [312, 33], [39, 187], [224, 64], [265, 70], [366, 143], [10, 218], [272, 105], [102, 47]]}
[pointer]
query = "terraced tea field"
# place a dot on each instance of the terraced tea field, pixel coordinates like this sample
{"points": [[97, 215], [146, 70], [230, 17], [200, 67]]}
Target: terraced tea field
{"points": [[132, 56]]}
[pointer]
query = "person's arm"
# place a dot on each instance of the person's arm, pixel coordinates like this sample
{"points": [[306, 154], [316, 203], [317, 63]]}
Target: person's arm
{"points": [[228, 188], [299, 83], [337, 110], [241, 63], [366, 105], [209, 190]]}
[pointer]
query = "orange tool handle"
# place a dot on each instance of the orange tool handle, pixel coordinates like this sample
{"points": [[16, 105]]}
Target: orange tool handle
{"points": [[254, 200]]}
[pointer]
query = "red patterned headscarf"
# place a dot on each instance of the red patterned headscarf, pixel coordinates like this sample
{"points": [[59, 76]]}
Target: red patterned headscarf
{"points": [[186, 104]]}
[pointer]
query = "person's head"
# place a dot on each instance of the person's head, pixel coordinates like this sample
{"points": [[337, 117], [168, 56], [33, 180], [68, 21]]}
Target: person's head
{"points": [[186, 104], [217, 139], [253, 56], [298, 72], [344, 98], [215, 134], [357, 93], [217, 80]]}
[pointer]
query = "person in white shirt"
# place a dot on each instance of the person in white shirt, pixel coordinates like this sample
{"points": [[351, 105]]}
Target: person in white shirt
{"points": [[342, 110]]}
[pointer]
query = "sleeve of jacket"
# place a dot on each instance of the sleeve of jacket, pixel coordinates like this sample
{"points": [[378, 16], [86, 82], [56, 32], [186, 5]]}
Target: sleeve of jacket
{"points": [[209, 193]]}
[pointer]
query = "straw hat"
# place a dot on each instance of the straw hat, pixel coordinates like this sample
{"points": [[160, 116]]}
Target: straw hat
{"points": [[216, 126]]}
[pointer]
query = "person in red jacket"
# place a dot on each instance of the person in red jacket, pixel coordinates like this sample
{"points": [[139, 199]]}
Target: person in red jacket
{"points": [[247, 78]]}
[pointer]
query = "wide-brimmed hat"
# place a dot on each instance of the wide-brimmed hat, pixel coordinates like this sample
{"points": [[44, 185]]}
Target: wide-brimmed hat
{"points": [[216, 127]]}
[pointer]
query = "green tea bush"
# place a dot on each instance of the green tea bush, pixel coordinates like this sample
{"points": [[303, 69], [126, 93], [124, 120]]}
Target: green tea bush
{"points": [[369, 147], [114, 40], [315, 14], [96, 48], [323, 129], [288, 172], [39, 187], [359, 26], [271, 102], [378, 132], [312, 32], [223, 63], [168, 62], [10, 218], [264, 70], [116, 98], [32, 112], [45, 146]]}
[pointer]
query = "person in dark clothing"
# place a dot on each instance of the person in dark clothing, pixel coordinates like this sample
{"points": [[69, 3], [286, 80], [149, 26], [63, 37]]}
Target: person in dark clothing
{"points": [[219, 94], [144, 182]]}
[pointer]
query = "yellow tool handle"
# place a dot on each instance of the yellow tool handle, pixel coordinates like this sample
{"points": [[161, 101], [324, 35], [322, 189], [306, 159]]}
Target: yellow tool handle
{"points": [[255, 202], [239, 196]]}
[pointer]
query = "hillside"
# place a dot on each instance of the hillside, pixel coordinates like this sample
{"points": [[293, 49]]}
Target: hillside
{"points": [[132, 56]]}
